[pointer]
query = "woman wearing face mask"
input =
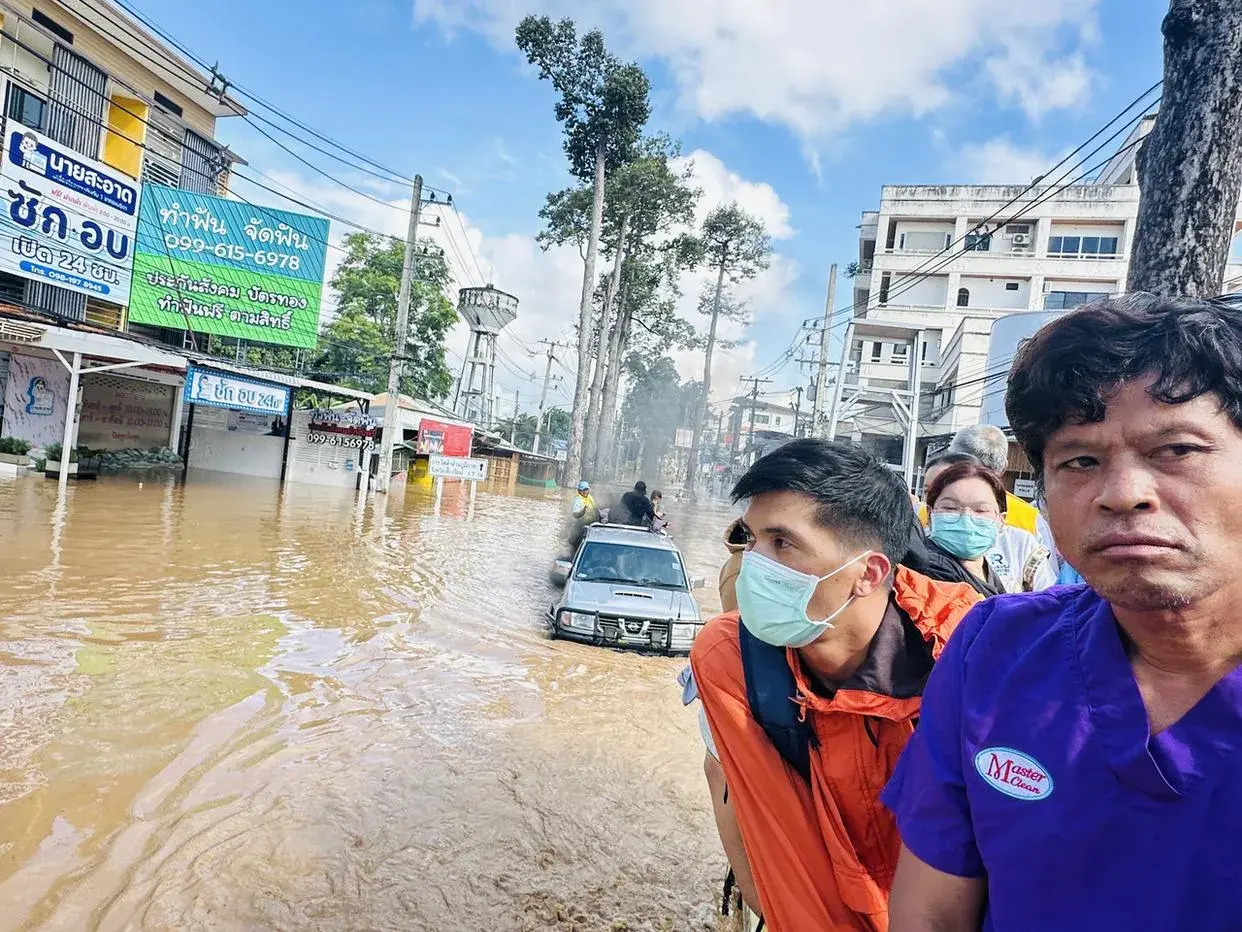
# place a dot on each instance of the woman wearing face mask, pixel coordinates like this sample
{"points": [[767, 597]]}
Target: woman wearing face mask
{"points": [[967, 506]]}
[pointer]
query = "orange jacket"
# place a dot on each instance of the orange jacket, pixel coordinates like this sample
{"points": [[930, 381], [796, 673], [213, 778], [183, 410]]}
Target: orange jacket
{"points": [[823, 854]]}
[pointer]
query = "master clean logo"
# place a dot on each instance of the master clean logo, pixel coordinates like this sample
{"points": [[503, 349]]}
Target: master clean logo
{"points": [[1014, 773]]}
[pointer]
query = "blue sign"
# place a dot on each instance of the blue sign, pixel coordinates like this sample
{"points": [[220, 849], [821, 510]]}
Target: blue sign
{"points": [[208, 387]]}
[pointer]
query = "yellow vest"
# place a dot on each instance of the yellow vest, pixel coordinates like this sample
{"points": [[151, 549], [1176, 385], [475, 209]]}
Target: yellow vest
{"points": [[1018, 513]]}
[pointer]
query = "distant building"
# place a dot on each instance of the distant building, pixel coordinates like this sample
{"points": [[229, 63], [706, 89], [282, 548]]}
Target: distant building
{"points": [[928, 290]]}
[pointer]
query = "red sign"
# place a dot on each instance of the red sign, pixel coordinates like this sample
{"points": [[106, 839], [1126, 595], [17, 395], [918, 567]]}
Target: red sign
{"points": [[445, 439]]}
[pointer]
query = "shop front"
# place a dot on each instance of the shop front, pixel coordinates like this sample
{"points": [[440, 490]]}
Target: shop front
{"points": [[235, 424], [331, 447]]}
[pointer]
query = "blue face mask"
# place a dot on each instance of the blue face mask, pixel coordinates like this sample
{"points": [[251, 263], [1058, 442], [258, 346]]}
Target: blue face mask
{"points": [[964, 536], [773, 600]]}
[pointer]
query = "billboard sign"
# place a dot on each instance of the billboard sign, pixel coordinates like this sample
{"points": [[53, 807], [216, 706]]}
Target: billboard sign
{"points": [[443, 439], [207, 387], [71, 219], [228, 268]]}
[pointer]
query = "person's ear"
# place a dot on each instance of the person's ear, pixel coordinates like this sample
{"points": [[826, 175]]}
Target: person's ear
{"points": [[877, 568]]}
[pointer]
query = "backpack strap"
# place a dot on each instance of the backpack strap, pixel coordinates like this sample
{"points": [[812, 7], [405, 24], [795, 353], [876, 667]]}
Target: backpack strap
{"points": [[770, 690]]}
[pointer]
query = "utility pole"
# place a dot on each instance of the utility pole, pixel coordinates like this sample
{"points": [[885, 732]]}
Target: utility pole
{"points": [[797, 410], [821, 378], [754, 403], [543, 395], [408, 269], [513, 426]]}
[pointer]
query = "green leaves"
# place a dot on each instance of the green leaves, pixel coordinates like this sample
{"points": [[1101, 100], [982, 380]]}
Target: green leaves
{"points": [[359, 342]]}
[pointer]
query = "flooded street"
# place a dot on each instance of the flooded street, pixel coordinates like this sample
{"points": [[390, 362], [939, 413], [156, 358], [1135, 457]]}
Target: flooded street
{"points": [[227, 708]]}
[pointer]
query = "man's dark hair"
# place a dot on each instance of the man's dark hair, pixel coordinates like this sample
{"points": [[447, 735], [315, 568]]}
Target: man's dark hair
{"points": [[640, 487], [860, 499], [1067, 371]]}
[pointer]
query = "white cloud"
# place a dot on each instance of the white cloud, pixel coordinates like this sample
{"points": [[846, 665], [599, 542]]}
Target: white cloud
{"points": [[999, 161], [820, 65]]}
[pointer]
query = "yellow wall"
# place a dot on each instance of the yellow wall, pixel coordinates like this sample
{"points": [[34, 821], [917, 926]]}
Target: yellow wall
{"points": [[127, 130]]}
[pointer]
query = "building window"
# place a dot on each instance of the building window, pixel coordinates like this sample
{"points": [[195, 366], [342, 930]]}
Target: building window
{"points": [[901, 352], [52, 26], [877, 351], [761, 419], [25, 107], [963, 297], [978, 242], [1011, 286], [777, 421], [1067, 300], [1082, 246], [166, 103], [886, 279]]}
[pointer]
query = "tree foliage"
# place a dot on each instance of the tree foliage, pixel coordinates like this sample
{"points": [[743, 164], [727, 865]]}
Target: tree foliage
{"points": [[555, 427], [649, 414], [359, 341]]}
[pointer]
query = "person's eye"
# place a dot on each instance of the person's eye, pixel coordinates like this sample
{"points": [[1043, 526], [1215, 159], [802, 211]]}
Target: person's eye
{"points": [[781, 543], [1179, 451], [1078, 462]]}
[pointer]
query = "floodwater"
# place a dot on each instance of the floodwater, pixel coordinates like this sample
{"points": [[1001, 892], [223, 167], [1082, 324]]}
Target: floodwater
{"points": [[226, 708]]}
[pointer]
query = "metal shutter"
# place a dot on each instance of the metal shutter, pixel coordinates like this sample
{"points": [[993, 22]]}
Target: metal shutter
{"points": [[77, 102], [202, 164]]}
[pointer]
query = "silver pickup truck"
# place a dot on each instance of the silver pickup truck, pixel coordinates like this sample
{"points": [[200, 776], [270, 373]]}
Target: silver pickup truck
{"points": [[626, 587]]}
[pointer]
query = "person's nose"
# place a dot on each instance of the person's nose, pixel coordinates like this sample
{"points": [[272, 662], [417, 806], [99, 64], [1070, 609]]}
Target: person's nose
{"points": [[1125, 487]]}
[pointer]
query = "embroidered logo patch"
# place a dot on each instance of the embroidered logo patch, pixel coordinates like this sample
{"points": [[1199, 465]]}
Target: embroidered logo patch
{"points": [[1014, 773]]}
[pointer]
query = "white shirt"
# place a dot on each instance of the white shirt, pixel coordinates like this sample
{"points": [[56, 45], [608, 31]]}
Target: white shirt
{"points": [[1021, 561]]}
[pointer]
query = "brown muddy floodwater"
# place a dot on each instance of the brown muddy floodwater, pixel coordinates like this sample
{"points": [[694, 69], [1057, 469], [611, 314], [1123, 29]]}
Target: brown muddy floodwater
{"points": [[225, 708]]}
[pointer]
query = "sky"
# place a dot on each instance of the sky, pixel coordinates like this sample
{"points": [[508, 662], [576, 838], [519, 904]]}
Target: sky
{"points": [[798, 110]]}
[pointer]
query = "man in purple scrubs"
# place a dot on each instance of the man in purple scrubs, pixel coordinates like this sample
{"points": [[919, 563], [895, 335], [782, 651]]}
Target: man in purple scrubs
{"points": [[1078, 764]]}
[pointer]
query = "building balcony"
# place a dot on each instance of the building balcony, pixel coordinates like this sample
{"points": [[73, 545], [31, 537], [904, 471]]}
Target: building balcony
{"points": [[1002, 265]]}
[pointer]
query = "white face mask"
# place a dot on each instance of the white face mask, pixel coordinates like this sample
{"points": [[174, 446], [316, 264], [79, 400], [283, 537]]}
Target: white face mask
{"points": [[773, 599]]}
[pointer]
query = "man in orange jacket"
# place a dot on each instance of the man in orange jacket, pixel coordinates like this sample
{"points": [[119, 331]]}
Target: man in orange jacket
{"points": [[820, 586]]}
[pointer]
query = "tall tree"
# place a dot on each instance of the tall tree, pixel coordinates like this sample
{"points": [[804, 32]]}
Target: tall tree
{"points": [[737, 247], [1190, 166], [603, 107], [358, 343]]}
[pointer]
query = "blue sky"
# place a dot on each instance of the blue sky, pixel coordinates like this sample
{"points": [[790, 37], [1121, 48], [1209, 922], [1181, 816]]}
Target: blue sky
{"points": [[799, 109]]}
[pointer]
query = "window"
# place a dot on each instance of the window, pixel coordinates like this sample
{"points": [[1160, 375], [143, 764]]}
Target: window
{"points": [[762, 419], [925, 240], [886, 279], [25, 107], [901, 352], [1066, 300], [877, 351], [167, 104], [1011, 286], [963, 297], [978, 242], [777, 420], [52, 26], [1022, 229], [1076, 246]]}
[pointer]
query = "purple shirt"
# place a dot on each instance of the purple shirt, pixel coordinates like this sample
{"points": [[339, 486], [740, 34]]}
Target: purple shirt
{"points": [[1033, 767]]}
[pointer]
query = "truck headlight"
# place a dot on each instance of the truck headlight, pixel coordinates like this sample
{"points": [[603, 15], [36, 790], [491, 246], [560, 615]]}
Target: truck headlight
{"points": [[579, 621], [684, 632]]}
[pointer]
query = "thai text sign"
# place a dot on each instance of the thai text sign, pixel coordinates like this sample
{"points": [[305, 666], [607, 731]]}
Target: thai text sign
{"points": [[342, 429], [218, 266], [71, 220], [206, 387], [456, 467]]}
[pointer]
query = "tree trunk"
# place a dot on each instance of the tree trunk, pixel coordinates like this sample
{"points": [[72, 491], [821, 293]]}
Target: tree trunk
{"points": [[1190, 166], [590, 460], [577, 424], [605, 445], [692, 466]]}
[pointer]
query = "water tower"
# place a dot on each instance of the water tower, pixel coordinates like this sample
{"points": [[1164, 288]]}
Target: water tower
{"points": [[487, 311]]}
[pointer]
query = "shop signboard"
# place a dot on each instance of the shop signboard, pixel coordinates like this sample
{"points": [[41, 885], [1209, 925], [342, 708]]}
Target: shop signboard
{"points": [[443, 439], [71, 220], [456, 467], [221, 390], [1024, 488], [124, 413], [226, 267], [342, 429]]}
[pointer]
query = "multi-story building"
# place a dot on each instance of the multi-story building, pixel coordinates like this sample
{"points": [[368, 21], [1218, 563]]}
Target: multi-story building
{"points": [[939, 264], [97, 81]]}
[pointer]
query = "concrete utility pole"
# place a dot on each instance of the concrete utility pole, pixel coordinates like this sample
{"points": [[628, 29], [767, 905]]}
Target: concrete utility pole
{"points": [[543, 395], [754, 403], [821, 378], [797, 410], [513, 424], [1190, 166], [395, 365]]}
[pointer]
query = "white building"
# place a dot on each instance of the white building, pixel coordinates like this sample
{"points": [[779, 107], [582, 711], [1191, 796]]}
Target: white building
{"points": [[929, 288]]}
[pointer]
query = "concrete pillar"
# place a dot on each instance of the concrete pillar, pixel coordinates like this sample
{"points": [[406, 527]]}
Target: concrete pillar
{"points": [[1036, 302]]}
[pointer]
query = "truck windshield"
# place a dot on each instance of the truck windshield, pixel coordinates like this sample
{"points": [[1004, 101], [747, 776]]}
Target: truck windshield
{"points": [[638, 566]]}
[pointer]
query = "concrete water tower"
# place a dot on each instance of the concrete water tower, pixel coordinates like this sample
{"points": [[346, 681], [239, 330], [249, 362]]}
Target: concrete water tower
{"points": [[486, 311]]}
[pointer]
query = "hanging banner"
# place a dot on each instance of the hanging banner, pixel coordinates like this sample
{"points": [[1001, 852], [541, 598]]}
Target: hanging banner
{"points": [[207, 387], [226, 267], [71, 220]]}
